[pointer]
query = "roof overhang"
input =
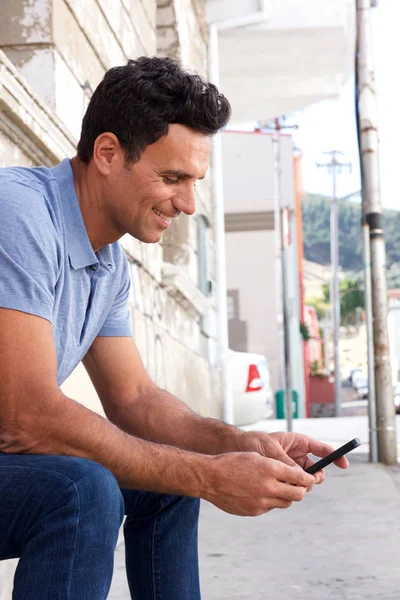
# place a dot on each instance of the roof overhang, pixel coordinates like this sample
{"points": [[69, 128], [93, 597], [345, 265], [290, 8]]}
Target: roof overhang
{"points": [[293, 55]]}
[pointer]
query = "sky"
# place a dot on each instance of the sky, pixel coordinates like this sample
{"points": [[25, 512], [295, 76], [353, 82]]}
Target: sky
{"points": [[330, 124]]}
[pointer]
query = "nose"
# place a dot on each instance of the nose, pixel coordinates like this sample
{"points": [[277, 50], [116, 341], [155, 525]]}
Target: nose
{"points": [[185, 200]]}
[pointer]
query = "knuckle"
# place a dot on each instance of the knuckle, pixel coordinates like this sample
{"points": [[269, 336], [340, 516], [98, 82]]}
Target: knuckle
{"points": [[300, 493], [269, 489], [272, 466]]}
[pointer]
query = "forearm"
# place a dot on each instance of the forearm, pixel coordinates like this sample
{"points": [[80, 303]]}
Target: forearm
{"points": [[158, 416], [71, 429]]}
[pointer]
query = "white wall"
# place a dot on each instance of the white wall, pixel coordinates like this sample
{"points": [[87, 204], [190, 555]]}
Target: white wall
{"points": [[248, 172], [251, 270]]}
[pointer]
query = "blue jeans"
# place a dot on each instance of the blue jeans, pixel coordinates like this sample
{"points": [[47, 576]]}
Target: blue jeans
{"points": [[61, 515]]}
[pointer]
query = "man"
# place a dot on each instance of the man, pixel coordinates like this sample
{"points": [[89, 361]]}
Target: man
{"points": [[67, 475]]}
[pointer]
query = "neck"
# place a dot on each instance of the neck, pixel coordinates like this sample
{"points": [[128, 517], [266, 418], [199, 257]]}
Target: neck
{"points": [[89, 192]]}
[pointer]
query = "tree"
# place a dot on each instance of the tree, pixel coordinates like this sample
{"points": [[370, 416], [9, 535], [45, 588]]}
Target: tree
{"points": [[351, 299], [316, 235], [321, 306]]}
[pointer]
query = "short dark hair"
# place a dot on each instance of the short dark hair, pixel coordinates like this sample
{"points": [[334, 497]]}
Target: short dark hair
{"points": [[139, 100]]}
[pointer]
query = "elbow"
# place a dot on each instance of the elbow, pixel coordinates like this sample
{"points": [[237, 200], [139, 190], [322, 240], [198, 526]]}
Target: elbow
{"points": [[13, 440], [19, 436], [25, 422]]}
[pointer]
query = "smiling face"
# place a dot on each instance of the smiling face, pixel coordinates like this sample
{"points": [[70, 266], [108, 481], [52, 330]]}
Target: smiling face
{"points": [[143, 198]]}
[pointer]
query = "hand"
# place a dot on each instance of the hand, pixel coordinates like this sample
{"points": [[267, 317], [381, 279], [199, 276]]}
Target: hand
{"points": [[248, 484], [290, 448]]}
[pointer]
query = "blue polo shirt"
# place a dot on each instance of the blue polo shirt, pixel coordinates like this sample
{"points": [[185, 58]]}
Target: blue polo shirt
{"points": [[48, 267]]}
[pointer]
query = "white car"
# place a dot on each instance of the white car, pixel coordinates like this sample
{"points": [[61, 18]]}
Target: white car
{"points": [[251, 388], [359, 379]]}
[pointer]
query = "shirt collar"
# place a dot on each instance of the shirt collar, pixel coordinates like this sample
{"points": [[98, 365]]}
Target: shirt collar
{"points": [[79, 248]]}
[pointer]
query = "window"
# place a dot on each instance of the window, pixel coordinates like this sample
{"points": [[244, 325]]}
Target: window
{"points": [[231, 307]]}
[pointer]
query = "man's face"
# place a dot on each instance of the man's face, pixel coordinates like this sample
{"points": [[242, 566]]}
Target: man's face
{"points": [[147, 195]]}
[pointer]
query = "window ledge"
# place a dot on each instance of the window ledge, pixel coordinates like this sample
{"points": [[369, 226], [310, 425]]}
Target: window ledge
{"points": [[182, 288], [28, 121]]}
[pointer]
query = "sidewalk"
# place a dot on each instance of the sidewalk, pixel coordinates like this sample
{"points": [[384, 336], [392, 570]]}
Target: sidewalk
{"points": [[341, 543]]}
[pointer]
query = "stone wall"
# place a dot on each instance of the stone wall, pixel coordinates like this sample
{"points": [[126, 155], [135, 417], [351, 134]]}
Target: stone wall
{"points": [[53, 53], [62, 48]]}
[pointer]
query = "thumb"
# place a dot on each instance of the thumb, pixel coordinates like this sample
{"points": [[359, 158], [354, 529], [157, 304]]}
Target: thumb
{"points": [[281, 455]]}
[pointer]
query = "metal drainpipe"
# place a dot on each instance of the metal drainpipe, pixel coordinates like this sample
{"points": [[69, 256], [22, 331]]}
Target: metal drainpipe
{"points": [[219, 215], [219, 232]]}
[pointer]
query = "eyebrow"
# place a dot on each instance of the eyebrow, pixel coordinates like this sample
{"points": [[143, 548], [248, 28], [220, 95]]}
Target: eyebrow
{"points": [[181, 174]]}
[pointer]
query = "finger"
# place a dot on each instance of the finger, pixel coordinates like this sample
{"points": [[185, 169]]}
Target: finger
{"points": [[275, 503], [270, 504], [292, 493], [319, 449], [280, 454], [283, 504], [295, 475], [342, 462], [319, 476]]}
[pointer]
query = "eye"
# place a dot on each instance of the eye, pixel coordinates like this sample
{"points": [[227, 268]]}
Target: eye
{"points": [[169, 181]]}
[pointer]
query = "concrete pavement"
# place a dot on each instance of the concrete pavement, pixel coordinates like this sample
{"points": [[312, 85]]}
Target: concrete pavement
{"points": [[341, 543]]}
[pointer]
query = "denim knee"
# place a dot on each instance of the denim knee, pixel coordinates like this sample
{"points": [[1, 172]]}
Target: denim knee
{"points": [[97, 493], [191, 506]]}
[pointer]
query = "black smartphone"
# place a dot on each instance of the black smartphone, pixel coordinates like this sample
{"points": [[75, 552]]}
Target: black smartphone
{"points": [[324, 462]]}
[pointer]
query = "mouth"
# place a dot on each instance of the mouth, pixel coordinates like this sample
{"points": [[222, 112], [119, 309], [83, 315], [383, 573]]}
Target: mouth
{"points": [[165, 219]]}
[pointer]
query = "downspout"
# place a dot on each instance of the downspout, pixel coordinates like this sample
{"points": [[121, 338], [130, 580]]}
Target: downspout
{"points": [[256, 18]]}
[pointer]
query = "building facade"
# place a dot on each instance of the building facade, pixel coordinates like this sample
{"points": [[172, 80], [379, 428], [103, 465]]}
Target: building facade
{"points": [[53, 54], [255, 186]]}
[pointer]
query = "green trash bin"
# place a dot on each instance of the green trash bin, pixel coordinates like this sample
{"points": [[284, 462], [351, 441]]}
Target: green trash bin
{"points": [[280, 404]]}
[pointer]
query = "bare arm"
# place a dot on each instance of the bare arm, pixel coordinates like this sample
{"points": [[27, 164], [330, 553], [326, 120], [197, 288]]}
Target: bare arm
{"points": [[37, 418], [134, 403]]}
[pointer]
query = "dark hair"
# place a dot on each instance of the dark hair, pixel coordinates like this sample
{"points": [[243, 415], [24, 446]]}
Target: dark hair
{"points": [[139, 100]]}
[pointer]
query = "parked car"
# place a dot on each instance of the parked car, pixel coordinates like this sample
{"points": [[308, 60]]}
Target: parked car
{"points": [[351, 372], [359, 379], [251, 387], [362, 390]]}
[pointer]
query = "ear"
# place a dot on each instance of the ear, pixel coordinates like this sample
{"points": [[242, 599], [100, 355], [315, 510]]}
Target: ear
{"points": [[107, 152]]}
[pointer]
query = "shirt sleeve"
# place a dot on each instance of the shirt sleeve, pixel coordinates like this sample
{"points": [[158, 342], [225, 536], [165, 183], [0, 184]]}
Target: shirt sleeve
{"points": [[118, 321], [28, 251]]}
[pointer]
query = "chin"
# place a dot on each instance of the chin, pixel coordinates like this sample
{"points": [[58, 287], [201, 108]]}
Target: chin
{"points": [[149, 238]]}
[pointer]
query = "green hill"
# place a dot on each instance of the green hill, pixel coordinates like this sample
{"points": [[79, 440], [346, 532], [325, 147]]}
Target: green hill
{"points": [[316, 228]]}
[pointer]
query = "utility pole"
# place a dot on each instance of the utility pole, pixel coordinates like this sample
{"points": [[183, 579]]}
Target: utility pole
{"points": [[281, 225], [372, 211], [335, 166]]}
